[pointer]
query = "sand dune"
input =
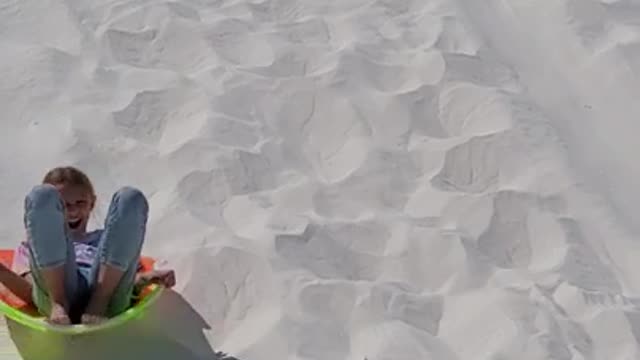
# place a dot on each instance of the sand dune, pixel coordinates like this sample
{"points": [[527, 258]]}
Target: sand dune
{"points": [[381, 180]]}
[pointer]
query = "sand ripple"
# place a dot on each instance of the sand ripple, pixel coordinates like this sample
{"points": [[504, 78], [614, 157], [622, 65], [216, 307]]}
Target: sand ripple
{"points": [[361, 179]]}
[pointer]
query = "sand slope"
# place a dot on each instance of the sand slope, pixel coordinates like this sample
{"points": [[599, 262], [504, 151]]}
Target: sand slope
{"points": [[381, 180]]}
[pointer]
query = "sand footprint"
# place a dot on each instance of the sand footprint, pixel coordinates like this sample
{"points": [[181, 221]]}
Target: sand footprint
{"points": [[457, 37], [397, 341], [506, 240], [327, 255], [281, 11], [234, 278], [140, 38], [471, 167], [484, 116], [393, 302], [329, 301], [129, 47], [232, 133], [394, 307], [248, 172], [243, 97], [238, 42], [584, 265], [437, 261], [588, 21], [396, 8], [335, 137], [383, 182], [308, 31], [321, 309], [391, 75], [149, 116], [203, 195], [299, 60], [470, 110]]}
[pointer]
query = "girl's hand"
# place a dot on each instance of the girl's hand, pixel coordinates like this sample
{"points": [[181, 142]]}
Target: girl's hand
{"points": [[166, 278]]}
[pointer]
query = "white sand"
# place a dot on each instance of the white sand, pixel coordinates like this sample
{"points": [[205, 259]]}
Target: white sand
{"points": [[348, 179]]}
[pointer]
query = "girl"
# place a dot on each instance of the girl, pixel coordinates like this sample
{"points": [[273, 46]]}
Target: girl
{"points": [[72, 275]]}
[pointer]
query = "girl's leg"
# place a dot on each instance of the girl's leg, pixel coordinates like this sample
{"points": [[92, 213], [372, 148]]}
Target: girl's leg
{"points": [[114, 272], [52, 255]]}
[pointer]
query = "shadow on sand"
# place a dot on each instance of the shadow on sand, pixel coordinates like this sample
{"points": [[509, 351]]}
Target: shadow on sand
{"points": [[171, 329]]}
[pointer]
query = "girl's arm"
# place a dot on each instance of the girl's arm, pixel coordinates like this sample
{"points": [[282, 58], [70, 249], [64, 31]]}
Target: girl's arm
{"points": [[17, 284]]}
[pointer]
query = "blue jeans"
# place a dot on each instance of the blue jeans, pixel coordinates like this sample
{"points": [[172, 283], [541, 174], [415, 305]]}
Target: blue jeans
{"points": [[119, 246]]}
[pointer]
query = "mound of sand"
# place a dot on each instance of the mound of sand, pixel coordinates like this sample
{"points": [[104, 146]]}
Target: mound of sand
{"points": [[381, 180]]}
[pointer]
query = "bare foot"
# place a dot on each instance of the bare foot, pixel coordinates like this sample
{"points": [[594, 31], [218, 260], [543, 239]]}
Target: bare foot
{"points": [[96, 309], [59, 315], [89, 319]]}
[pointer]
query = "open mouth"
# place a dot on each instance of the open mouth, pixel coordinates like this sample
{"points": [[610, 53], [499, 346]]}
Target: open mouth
{"points": [[74, 224]]}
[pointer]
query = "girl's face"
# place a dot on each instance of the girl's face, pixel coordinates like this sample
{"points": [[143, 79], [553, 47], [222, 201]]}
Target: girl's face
{"points": [[78, 203]]}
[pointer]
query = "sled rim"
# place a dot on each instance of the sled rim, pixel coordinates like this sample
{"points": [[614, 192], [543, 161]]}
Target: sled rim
{"points": [[40, 323]]}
